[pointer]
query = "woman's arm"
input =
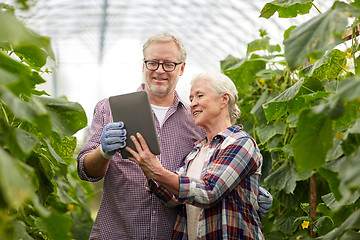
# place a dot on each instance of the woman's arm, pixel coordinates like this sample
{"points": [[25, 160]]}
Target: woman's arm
{"points": [[224, 173], [234, 161], [151, 165]]}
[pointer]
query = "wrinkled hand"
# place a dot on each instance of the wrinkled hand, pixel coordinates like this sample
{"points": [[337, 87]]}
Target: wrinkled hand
{"points": [[265, 201], [147, 161], [112, 138]]}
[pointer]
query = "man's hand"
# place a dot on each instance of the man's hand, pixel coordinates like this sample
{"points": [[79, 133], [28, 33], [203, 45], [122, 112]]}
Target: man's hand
{"points": [[113, 137], [265, 201]]}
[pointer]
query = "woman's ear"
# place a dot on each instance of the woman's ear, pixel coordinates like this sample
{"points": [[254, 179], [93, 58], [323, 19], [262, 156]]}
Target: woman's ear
{"points": [[226, 99]]}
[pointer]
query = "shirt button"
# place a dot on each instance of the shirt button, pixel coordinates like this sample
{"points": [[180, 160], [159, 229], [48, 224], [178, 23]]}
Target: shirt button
{"points": [[154, 212]]}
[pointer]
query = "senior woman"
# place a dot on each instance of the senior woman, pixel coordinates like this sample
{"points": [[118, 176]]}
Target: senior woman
{"points": [[217, 184]]}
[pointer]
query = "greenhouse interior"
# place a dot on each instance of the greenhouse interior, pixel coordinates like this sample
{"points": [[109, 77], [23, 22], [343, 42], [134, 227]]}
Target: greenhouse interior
{"points": [[295, 65]]}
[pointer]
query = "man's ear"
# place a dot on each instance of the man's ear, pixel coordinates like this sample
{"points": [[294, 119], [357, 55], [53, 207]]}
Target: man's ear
{"points": [[182, 68]]}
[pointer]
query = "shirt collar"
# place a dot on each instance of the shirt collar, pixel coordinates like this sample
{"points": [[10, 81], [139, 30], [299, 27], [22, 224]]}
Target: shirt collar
{"points": [[220, 136]]}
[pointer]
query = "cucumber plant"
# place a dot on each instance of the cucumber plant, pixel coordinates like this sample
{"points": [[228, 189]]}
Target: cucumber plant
{"points": [[301, 100]]}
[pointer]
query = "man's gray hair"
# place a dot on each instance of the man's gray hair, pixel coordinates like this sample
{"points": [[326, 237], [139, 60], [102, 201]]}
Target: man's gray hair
{"points": [[165, 36], [222, 84]]}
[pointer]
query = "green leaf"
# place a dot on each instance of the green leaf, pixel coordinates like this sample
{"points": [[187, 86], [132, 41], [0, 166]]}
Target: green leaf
{"points": [[257, 110], [15, 186], [259, 44], [17, 34], [352, 222], [285, 224], [20, 231], [67, 117], [57, 226], [11, 65], [228, 62], [322, 208], [349, 89], [19, 142], [35, 56], [284, 178], [334, 205], [266, 132], [350, 235], [350, 144], [81, 230], [329, 66], [7, 78], [311, 85], [333, 181], [53, 156], [330, 201], [319, 34], [357, 66], [292, 120], [312, 141], [336, 152], [314, 96], [269, 74], [31, 112], [44, 173], [274, 48], [350, 169], [334, 109], [275, 110], [297, 105], [286, 8], [323, 225], [278, 106], [288, 94], [243, 73], [349, 117], [6, 225]]}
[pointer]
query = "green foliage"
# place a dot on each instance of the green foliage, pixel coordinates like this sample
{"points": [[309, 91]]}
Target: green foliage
{"points": [[41, 196], [302, 106], [286, 8]]}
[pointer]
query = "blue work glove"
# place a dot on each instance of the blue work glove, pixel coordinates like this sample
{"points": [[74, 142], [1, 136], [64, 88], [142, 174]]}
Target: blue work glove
{"points": [[112, 138], [265, 201]]}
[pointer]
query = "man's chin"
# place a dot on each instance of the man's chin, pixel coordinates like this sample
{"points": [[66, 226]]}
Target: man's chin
{"points": [[159, 91]]}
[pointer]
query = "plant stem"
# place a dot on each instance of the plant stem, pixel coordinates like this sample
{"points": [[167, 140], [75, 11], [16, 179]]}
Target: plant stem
{"points": [[316, 8], [313, 203], [4, 111]]}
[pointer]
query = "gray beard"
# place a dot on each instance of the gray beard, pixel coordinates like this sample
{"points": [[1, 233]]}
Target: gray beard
{"points": [[159, 92]]}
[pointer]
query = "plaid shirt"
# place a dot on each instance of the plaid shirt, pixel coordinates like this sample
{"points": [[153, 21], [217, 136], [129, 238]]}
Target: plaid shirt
{"points": [[127, 210], [226, 192]]}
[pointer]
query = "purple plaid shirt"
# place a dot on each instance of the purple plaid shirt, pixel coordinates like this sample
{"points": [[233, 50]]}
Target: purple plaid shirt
{"points": [[127, 210], [226, 192]]}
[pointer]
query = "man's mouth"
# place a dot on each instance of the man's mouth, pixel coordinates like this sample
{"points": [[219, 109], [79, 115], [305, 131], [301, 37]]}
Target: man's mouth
{"points": [[160, 79]]}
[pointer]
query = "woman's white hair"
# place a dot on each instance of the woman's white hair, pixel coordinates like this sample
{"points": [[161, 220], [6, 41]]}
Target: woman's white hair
{"points": [[222, 84]]}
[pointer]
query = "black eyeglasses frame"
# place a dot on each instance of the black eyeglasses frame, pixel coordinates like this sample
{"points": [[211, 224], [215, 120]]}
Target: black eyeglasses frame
{"points": [[162, 65]]}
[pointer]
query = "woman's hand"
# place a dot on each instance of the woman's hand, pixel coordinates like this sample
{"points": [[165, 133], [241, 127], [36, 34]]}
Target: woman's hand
{"points": [[151, 165], [147, 161]]}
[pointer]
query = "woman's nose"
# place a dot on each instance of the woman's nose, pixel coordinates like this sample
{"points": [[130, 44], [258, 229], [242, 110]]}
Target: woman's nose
{"points": [[193, 103]]}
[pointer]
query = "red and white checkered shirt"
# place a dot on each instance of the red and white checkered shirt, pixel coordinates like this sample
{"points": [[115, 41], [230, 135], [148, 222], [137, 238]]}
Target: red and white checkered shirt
{"points": [[226, 192], [127, 210]]}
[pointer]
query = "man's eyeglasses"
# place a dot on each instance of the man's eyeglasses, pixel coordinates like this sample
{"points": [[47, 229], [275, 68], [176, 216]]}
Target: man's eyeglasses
{"points": [[167, 66]]}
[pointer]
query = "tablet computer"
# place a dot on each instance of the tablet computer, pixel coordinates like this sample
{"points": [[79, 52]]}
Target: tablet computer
{"points": [[134, 110]]}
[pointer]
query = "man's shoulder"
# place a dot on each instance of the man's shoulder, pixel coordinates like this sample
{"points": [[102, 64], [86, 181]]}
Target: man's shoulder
{"points": [[102, 103]]}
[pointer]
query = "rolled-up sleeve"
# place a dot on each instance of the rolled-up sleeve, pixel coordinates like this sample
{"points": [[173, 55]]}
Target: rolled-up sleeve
{"points": [[223, 174], [101, 117]]}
